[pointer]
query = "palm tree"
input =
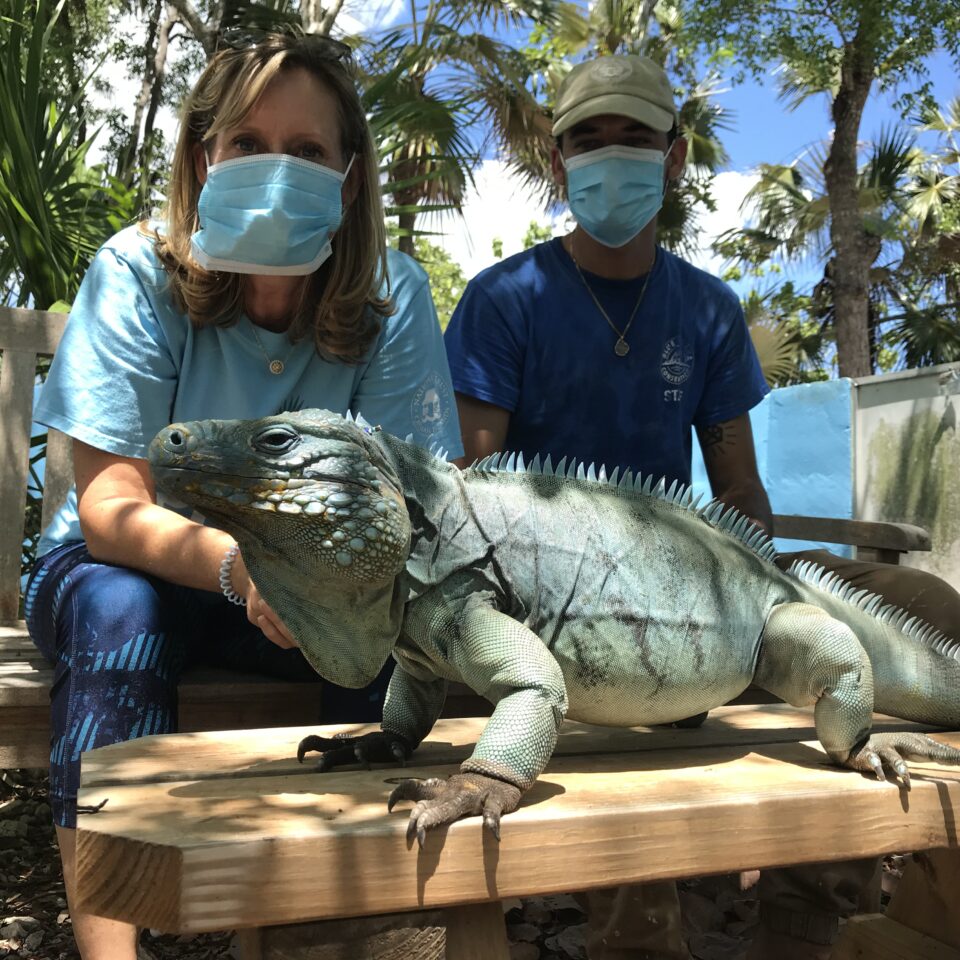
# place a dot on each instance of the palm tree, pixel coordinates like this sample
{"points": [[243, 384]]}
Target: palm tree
{"points": [[902, 195], [55, 211], [437, 88]]}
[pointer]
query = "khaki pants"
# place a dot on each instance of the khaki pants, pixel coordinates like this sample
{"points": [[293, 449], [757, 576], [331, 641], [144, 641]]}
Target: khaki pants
{"points": [[642, 921]]}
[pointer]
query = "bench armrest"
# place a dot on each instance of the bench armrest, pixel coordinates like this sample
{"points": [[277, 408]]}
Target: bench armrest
{"points": [[899, 537]]}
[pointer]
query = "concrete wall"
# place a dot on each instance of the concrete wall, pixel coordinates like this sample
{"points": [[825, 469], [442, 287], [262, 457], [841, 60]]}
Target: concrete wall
{"points": [[908, 458]]}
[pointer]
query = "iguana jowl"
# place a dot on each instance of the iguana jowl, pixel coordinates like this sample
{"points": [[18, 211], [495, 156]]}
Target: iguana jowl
{"points": [[553, 592]]}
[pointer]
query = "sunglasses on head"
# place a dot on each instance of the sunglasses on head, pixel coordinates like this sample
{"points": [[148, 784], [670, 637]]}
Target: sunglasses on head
{"points": [[242, 38]]}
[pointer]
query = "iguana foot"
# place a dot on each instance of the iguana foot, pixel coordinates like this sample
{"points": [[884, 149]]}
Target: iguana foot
{"points": [[379, 747], [883, 752], [438, 802]]}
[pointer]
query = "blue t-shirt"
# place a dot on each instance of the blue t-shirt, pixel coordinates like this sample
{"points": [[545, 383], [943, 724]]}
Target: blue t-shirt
{"points": [[130, 363], [528, 337]]}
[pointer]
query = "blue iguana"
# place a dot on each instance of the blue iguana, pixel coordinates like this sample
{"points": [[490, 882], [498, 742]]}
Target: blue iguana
{"points": [[552, 591]]}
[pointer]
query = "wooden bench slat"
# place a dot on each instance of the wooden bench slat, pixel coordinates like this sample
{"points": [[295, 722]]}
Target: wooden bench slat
{"points": [[879, 535], [231, 754], [214, 854], [58, 473], [17, 375], [36, 331]]}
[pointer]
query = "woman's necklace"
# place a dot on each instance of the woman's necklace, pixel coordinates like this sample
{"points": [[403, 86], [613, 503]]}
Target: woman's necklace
{"points": [[621, 348], [274, 364]]}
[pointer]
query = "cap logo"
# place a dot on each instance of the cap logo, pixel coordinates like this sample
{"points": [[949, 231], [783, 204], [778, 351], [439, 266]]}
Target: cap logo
{"points": [[606, 68]]}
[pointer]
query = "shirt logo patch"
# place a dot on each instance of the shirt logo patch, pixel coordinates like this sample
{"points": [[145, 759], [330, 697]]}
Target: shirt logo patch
{"points": [[676, 362], [431, 407]]}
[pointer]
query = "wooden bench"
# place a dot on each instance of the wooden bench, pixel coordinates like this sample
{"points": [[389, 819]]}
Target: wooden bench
{"points": [[211, 832], [209, 699]]}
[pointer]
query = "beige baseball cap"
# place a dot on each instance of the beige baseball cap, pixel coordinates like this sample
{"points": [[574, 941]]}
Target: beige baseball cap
{"points": [[628, 86]]}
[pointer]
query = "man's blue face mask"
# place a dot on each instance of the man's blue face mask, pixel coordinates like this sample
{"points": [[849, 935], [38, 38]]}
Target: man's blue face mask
{"points": [[614, 192], [269, 214]]}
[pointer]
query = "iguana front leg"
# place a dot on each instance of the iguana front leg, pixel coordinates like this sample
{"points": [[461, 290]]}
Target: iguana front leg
{"points": [[413, 702], [806, 656], [508, 664]]}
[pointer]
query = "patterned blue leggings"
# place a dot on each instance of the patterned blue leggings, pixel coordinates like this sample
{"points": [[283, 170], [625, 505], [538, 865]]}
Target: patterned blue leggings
{"points": [[119, 640]]}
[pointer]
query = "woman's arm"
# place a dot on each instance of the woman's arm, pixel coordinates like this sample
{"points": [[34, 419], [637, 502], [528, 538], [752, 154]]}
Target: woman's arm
{"points": [[123, 525]]}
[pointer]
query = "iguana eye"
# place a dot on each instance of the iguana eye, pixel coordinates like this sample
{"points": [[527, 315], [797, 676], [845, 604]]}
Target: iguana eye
{"points": [[278, 439]]}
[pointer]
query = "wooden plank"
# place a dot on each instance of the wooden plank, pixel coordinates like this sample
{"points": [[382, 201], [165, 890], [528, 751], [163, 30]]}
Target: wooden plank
{"points": [[34, 331], [17, 374], [57, 473], [239, 753], [883, 535], [476, 932], [927, 898], [876, 937], [25, 737], [213, 854]]}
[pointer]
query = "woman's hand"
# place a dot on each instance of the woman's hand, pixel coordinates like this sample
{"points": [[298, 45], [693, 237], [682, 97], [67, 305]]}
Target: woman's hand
{"points": [[259, 612]]}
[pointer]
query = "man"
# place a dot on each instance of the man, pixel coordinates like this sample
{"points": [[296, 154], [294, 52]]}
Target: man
{"points": [[603, 346]]}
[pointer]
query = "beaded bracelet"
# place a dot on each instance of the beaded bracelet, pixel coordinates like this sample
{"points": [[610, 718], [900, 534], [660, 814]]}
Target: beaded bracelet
{"points": [[226, 584]]}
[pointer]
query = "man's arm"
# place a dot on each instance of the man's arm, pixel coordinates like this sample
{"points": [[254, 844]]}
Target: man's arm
{"points": [[483, 427], [731, 464]]}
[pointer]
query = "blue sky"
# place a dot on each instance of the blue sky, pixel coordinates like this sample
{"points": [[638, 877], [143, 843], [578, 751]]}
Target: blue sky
{"points": [[764, 132]]}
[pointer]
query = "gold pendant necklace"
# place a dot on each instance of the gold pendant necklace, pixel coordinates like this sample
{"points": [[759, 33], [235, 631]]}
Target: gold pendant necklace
{"points": [[621, 348], [274, 364]]}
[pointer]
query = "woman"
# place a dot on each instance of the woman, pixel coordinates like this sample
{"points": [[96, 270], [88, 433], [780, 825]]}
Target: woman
{"points": [[267, 287]]}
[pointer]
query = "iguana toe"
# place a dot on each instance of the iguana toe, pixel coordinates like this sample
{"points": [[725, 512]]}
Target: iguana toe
{"points": [[438, 802], [378, 747], [885, 752]]}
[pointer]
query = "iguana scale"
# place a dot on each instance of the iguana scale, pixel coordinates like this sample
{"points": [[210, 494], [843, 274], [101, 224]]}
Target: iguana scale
{"points": [[552, 591]]}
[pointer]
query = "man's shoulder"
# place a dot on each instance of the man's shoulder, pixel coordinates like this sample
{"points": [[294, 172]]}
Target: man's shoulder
{"points": [[690, 278], [522, 271]]}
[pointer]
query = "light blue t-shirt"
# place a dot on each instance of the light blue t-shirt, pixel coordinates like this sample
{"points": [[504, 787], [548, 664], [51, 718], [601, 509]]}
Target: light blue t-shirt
{"points": [[528, 336], [130, 363]]}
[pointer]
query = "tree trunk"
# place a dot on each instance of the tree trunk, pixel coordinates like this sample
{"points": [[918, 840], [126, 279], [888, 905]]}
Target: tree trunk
{"points": [[406, 222], [156, 89], [852, 247]]}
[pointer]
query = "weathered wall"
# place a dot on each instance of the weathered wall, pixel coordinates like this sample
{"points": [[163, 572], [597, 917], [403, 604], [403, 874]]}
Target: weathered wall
{"points": [[908, 458]]}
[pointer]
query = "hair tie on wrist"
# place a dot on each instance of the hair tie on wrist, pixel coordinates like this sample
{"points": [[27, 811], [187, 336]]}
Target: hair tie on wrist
{"points": [[226, 585]]}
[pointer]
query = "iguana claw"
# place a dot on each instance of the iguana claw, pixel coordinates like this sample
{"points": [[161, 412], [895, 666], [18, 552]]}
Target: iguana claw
{"points": [[888, 751], [378, 747], [438, 802]]}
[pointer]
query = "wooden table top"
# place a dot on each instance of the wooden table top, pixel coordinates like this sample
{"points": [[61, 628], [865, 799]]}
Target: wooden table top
{"points": [[211, 831]]}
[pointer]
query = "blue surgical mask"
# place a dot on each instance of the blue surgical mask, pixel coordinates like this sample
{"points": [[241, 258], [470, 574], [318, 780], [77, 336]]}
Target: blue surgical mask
{"points": [[270, 214], [614, 192]]}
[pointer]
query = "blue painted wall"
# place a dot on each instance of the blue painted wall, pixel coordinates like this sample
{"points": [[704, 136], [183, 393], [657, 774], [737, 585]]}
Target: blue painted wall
{"points": [[804, 441]]}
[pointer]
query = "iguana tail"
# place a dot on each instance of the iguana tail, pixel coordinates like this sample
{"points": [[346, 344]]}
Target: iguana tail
{"points": [[916, 667]]}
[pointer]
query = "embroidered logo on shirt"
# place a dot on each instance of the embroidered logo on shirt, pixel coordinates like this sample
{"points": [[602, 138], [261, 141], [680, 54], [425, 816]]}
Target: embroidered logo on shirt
{"points": [[430, 407], [676, 362]]}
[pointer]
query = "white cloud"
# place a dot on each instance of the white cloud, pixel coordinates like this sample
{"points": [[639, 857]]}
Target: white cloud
{"points": [[497, 207], [362, 16], [729, 189], [501, 207]]}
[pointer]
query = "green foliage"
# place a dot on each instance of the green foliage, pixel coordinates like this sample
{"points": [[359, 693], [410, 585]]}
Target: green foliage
{"points": [[55, 211], [447, 281], [497, 246], [536, 233]]}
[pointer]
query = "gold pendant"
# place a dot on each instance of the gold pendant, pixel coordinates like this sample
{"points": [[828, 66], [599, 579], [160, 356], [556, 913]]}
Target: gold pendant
{"points": [[276, 366], [621, 348]]}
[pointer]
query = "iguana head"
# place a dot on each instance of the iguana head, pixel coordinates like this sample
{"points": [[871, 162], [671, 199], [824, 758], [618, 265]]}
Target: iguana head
{"points": [[317, 509]]}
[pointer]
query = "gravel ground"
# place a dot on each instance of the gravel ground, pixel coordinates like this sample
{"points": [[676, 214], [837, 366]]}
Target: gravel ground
{"points": [[718, 918]]}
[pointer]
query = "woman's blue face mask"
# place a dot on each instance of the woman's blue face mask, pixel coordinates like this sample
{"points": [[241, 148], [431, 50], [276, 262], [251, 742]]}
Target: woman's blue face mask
{"points": [[614, 192], [270, 214]]}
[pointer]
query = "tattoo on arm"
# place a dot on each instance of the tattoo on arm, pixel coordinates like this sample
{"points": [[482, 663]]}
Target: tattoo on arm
{"points": [[716, 440]]}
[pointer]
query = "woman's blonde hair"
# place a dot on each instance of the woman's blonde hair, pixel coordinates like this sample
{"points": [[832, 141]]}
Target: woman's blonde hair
{"points": [[341, 303]]}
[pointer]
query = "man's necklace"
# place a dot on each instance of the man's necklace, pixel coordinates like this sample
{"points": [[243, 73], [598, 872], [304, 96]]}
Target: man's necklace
{"points": [[274, 364], [621, 348]]}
